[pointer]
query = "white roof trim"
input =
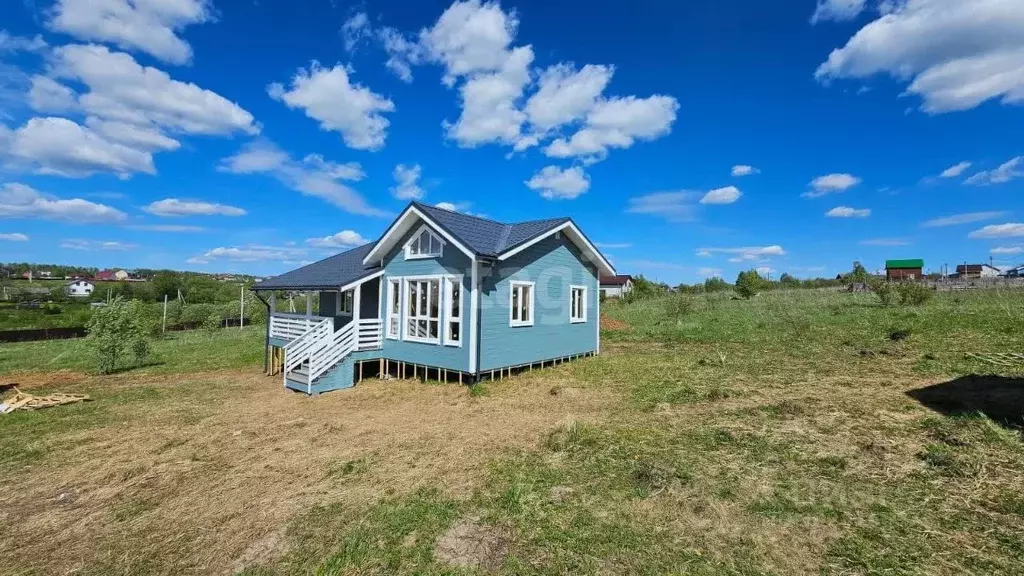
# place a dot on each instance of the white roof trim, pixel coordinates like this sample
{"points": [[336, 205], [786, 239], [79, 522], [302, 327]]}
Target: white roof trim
{"points": [[605, 267], [399, 227], [355, 283]]}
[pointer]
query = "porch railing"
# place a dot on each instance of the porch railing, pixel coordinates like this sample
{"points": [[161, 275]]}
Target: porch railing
{"points": [[369, 335], [291, 326]]}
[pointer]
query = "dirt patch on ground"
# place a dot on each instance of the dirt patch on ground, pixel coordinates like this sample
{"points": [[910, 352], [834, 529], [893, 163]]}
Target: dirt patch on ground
{"points": [[28, 380], [199, 480], [470, 544], [612, 324]]}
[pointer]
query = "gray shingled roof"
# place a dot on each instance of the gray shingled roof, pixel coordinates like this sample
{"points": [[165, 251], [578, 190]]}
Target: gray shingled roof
{"points": [[333, 272], [487, 237], [483, 236]]}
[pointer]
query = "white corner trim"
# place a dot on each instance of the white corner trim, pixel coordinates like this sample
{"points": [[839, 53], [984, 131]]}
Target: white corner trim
{"points": [[589, 251], [402, 225], [474, 305], [355, 283], [597, 300]]}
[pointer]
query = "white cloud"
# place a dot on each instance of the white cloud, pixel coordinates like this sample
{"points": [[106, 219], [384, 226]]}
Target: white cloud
{"points": [[167, 228], [673, 206], [831, 183], [706, 272], [455, 206], [565, 95], [838, 10], [489, 112], [21, 201], [742, 254], [328, 96], [954, 55], [343, 239], [965, 218], [356, 30], [142, 25], [90, 245], [955, 170], [555, 183], [618, 123], [1009, 170], [613, 245], [12, 43], [176, 207], [1007, 250], [60, 147], [49, 96], [407, 185], [141, 138], [251, 253], [885, 242], [1009, 230], [473, 41], [726, 195], [744, 170], [14, 237], [312, 176], [847, 212]]}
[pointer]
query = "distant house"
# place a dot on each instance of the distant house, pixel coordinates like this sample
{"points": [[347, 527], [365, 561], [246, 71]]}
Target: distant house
{"points": [[112, 275], [977, 271], [80, 288], [1014, 272], [616, 286], [904, 269]]}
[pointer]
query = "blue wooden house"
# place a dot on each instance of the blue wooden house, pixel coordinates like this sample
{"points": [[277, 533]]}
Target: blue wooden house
{"points": [[440, 294]]}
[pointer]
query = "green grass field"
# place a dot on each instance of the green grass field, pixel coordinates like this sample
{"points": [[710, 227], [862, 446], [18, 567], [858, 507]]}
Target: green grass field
{"points": [[801, 432]]}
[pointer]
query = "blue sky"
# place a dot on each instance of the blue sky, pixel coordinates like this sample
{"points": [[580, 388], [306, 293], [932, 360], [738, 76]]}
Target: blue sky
{"points": [[687, 139]]}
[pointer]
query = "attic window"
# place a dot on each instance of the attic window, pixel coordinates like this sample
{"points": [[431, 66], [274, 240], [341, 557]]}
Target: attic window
{"points": [[424, 244]]}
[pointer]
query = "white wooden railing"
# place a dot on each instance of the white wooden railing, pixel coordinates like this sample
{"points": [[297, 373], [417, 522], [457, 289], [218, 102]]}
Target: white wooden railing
{"points": [[308, 345], [370, 334], [291, 326], [323, 347]]}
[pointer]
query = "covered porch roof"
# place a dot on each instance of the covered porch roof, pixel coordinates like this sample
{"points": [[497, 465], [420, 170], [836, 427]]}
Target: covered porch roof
{"points": [[334, 273]]}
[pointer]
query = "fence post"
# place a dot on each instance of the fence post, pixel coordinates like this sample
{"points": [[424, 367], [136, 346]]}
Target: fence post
{"points": [[163, 324], [241, 308]]}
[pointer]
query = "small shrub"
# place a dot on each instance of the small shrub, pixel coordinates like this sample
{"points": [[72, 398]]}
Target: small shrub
{"points": [[913, 294], [114, 330], [678, 306], [899, 334], [884, 290], [212, 323]]}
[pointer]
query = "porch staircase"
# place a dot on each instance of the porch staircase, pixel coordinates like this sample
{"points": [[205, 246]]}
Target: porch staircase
{"points": [[320, 358]]}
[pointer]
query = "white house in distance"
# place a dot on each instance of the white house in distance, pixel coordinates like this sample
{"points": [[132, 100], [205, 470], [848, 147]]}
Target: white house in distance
{"points": [[616, 286], [80, 288]]}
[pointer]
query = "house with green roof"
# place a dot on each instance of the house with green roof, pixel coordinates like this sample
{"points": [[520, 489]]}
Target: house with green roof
{"points": [[911, 269], [441, 295]]}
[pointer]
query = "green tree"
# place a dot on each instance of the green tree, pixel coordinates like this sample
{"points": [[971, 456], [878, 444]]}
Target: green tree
{"points": [[166, 283], [788, 281], [716, 284], [116, 329], [750, 284]]}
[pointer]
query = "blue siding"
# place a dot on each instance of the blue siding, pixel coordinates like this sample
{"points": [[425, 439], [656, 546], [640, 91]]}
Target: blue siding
{"points": [[553, 264], [452, 262]]}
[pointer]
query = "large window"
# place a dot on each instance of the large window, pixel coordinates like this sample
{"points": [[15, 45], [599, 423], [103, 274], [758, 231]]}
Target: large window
{"points": [[453, 304], [423, 311], [577, 304], [394, 308], [425, 244], [521, 304]]}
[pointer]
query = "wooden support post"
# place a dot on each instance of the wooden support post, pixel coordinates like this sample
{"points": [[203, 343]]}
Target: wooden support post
{"points": [[309, 303], [360, 371], [380, 369]]}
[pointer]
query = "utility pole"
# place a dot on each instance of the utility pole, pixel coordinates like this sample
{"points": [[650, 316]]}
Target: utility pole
{"points": [[163, 325], [241, 308]]}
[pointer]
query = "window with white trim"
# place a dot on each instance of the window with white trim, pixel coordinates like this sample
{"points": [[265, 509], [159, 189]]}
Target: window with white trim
{"points": [[424, 244], [423, 311], [577, 304], [343, 303], [521, 304], [453, 308], [394, 308]]}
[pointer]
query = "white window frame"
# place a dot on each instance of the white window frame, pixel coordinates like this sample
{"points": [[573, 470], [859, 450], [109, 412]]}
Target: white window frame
{"points": [[432, 237], [517, 285], [394, 289], [339, 310], [406, 312], [582, 316], [447, 316]]}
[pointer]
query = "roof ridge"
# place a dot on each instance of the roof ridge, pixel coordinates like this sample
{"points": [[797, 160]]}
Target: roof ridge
{"points": [[456, 212], [503, 239]]}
